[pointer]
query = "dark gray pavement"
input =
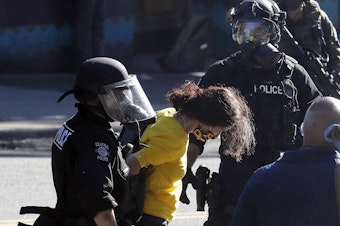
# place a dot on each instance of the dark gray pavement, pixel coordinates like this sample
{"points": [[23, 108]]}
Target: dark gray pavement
{"points": [[30, 115]]}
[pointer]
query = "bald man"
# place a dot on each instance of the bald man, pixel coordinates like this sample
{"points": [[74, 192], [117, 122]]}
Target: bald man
{"points": [[298, 189]]}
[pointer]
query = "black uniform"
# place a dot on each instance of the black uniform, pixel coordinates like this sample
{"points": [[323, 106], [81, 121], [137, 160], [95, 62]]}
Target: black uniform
{"points": [[88, 172], [278, 98]]}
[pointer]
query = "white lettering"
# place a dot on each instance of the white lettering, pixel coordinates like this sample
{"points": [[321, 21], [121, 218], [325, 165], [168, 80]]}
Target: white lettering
{"points": [[268, 89], [102, 158], [61, 137], [101, 144]]}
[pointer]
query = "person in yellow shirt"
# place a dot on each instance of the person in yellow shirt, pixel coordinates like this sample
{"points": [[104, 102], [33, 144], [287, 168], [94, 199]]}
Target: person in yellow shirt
{"points": [[204, 112]]}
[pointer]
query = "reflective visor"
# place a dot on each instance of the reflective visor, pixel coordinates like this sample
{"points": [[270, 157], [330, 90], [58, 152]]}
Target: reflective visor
{"points": [[256, 31], [125, 101]]}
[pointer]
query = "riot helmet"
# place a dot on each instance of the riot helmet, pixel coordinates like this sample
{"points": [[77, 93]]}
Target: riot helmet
{"points": [[258, 21], [256, 27], [120, 94]]}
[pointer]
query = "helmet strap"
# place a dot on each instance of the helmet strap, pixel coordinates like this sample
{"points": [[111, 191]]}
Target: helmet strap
{"points": [[64, 95], [96, 109]]}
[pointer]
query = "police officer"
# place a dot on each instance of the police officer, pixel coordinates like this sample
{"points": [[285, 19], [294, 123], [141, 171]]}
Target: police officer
{"points": [[88, 170], [277, 89], [314, 32]]}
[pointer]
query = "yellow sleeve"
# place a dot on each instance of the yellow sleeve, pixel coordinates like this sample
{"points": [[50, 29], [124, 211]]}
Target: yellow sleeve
{"points": [[166, 140]]}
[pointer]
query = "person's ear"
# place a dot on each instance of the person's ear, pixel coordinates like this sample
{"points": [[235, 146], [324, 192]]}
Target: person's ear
{"points": [[332, 133], [301, 129], [335, 133]]}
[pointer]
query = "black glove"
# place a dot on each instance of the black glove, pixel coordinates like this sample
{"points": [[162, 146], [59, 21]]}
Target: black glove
{"points": [[187, 179]]}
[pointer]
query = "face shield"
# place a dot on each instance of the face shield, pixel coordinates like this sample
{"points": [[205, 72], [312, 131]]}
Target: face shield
{"points": [[125, 101], [256, 31]]}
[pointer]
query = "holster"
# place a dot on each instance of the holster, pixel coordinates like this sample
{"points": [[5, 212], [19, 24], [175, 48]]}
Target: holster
{"points": [[214, 190]]}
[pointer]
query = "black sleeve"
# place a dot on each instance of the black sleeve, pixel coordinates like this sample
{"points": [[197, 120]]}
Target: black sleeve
{"points": [[332, 43], [307, 91], [218, 74], [93, 170]]}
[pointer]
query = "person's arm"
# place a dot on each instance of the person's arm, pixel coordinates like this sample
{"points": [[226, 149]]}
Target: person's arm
{"points": [[306, 88], [193, 152], [332, 44], [105, 218], [133, 164]]}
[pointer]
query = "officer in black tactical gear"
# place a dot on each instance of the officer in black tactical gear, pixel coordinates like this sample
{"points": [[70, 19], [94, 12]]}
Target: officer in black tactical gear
{"points": [[88, 169], [316, 35], [277, 89]]}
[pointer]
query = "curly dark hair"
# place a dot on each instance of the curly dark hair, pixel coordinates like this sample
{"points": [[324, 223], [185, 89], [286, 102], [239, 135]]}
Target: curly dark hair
{"points": [[218, 106]]}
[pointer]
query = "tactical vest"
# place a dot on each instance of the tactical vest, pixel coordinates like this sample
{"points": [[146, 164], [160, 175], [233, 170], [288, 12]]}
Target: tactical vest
{"points": [[272, 98]]}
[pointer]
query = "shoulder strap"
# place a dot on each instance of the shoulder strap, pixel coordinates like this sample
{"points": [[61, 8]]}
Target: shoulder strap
{"points": [[289, 66], [286, 70], [337, 185]]}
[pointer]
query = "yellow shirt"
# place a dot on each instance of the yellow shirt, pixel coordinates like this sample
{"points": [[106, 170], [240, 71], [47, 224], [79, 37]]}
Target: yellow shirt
{"points": [[167, 143]]}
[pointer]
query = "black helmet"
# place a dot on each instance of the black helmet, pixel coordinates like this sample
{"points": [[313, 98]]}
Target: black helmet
{"points": [[93, 74], [119, 93], [262, 12], [96, 72]]}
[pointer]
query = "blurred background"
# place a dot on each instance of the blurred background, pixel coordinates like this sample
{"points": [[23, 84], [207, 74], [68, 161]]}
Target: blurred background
{"points": [[149, 35]]}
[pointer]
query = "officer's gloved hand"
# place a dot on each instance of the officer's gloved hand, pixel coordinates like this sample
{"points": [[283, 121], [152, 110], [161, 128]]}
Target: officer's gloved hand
{"points": [[187, 179]]}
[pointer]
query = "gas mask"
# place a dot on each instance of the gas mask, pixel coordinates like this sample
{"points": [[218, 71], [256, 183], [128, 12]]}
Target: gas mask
{"points": [[266, 56], [125, 101], [254, 37], [328, 138]]}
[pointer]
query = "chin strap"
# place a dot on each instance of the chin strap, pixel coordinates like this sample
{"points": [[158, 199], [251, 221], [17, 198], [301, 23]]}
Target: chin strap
{"points": [[65, 94]]}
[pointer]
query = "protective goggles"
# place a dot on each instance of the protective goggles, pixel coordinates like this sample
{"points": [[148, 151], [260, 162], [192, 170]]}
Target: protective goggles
{"points": [[256, 31]]}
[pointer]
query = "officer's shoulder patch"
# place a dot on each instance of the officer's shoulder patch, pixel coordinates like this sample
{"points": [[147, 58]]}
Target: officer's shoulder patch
{"points": [[62, 135], [102, 150]]}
